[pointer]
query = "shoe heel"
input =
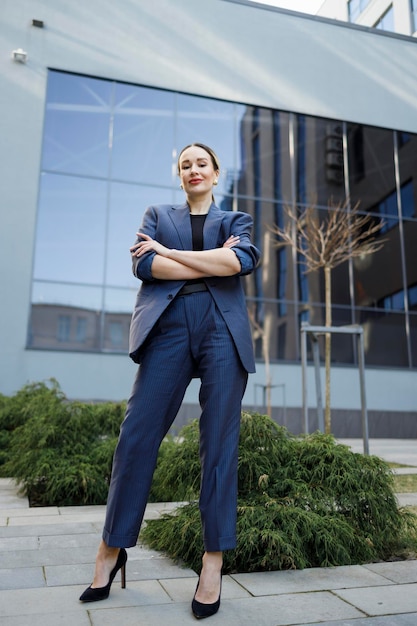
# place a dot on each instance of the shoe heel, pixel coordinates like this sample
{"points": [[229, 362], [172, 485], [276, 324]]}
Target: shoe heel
{"points": [[101, 593]]}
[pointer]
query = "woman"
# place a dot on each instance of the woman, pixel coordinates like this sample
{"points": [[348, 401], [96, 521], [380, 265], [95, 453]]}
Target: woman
{"points": [[190, 320]]}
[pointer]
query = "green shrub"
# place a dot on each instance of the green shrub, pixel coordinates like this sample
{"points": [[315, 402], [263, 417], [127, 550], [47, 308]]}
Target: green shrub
{"points": [[60, 452], [13, 414], [177, 474], [303, 502]]}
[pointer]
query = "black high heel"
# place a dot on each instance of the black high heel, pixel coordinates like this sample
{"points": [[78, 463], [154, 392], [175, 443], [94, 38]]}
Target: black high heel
{"points": [[101, 593], [201, 610]]}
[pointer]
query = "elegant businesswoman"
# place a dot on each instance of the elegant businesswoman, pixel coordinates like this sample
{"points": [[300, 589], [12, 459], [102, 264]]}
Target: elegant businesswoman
{"points": [[190, 320]]}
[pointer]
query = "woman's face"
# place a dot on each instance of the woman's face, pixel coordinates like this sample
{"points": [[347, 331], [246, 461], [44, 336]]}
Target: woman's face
{"points": [[197, 171]]}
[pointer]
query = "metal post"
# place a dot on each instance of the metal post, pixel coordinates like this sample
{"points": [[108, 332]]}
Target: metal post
{"points": [[361, 360], [304, 374], [354, 329], [316, 357]]}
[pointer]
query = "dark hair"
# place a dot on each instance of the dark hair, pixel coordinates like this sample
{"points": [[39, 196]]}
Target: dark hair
{"points": [[210, 151]]}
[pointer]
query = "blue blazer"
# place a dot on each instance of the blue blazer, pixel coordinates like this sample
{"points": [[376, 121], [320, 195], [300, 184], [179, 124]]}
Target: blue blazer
{"points": [[171, 226]]}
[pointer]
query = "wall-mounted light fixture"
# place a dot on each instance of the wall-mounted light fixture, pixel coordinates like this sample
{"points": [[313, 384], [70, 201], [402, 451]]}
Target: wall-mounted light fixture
{"points": [[19, 55]]}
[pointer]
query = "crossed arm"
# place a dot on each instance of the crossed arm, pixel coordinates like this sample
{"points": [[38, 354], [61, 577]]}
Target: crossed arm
{"points": [[172, 264]]}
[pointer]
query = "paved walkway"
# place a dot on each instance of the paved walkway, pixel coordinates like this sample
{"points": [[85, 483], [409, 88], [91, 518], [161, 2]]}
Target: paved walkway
{"points": [[47, 557]]}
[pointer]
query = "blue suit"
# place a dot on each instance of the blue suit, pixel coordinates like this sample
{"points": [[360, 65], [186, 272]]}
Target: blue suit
{"points": [[175, 338]]}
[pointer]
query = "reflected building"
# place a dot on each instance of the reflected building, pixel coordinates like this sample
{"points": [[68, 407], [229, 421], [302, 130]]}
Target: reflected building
{"points": [[60, 327]]}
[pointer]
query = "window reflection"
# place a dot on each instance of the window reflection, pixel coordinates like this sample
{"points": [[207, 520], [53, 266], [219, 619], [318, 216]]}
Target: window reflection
{"points": [[77, 124], [413, 337], [143, 135], [371, 166], [60, 327], [265, 154], [379, 275], [70, 237], [127, 205], [65, 316], [319, 161], [342, 346], [385, 340], [407, 159]]}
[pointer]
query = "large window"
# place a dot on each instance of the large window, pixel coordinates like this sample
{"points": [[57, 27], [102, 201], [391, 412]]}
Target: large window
{"points": [[110, 150], [413, 6], [386, 21], [355, 8]]}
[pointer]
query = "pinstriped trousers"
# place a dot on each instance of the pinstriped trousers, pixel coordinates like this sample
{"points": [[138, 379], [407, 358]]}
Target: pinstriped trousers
{"points": [[190, 339]]}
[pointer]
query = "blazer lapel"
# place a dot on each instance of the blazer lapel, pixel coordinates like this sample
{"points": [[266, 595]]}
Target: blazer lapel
{"points": [[212, 227], [180, 217]]}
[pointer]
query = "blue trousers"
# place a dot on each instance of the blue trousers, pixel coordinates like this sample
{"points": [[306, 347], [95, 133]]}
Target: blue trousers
{"points": [[190, 339]]}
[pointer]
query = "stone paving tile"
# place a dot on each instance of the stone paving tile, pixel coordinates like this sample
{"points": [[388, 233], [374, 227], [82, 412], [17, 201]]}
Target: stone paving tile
{"points": [[313, 579], [18, 543], [407, 619], [49, 619], [32, 558], [84, 510], [182, 590], [407, 499], [75, 574], [38, 511], [30, 602], [398, 572], [9, 498], [17, 520], [11, 502], [22, 578], [141, 551], [382, 600], [47, 530], [68, 541], [274, 611], [392, 450], [155, 568]]}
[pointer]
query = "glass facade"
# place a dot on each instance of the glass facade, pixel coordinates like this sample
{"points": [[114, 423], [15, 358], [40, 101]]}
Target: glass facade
{"points": [[110, 151]]}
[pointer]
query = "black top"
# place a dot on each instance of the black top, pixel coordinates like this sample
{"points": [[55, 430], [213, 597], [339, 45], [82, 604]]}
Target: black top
{"points": [[197, 225]]}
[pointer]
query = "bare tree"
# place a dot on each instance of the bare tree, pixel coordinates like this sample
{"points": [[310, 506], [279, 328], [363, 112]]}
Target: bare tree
{"points": [[343, 234]]}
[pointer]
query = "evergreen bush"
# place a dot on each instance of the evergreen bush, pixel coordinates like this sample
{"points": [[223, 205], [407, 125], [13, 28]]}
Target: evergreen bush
{"points": [[303, 502], [60, 452]]}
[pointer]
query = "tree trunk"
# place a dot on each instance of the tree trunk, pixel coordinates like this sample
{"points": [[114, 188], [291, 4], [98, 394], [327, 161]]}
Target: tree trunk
{"points": [[328, 311]]}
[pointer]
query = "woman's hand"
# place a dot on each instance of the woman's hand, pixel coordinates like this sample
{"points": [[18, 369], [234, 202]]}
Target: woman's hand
{"points": [[148, 244], [231, 241]]}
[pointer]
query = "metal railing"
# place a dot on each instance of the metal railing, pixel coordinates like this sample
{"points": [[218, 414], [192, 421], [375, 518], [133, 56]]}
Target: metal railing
{"points": [[314, 332]]}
